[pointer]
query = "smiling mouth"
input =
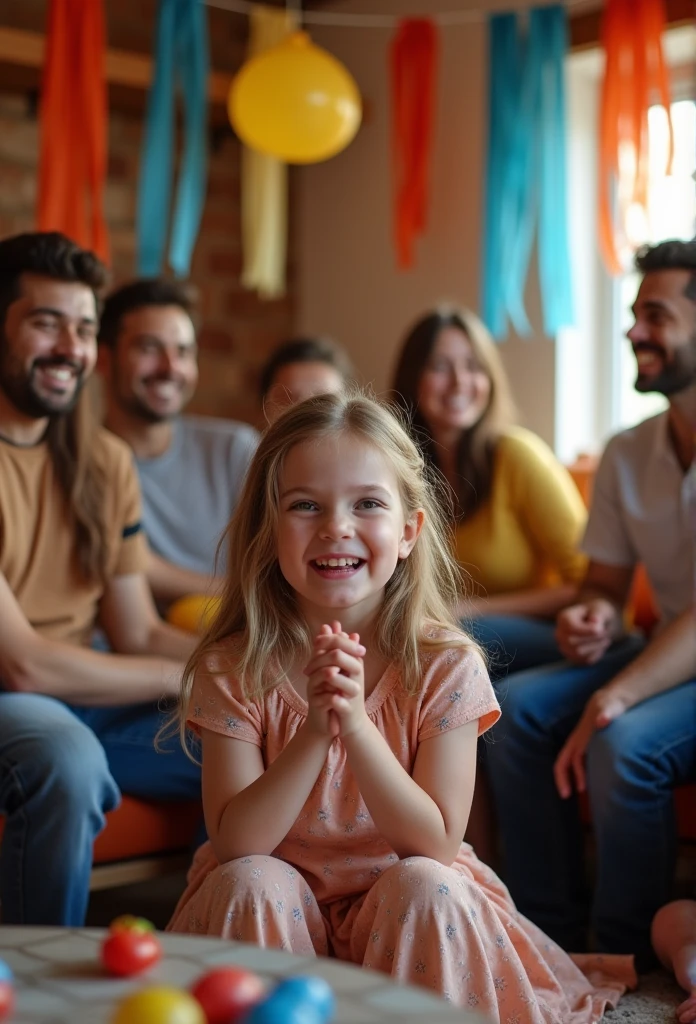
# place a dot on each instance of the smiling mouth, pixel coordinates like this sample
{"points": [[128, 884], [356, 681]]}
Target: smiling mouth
{"points": [[336, 567], [163, 387], [57, 375], [649, 359]]}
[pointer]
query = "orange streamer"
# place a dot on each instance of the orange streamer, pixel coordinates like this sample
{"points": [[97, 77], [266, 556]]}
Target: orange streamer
{"points": [[73, 163], [413, 75], [635, 77]]}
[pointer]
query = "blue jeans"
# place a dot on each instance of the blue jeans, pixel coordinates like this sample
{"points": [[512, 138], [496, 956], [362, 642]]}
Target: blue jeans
{"points": [[514, 643], [61, 769], [633, 766]]}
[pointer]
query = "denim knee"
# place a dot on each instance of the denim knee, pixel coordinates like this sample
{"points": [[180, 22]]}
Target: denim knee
{"points": [[618, 763], [76, 765], [47, 753]]}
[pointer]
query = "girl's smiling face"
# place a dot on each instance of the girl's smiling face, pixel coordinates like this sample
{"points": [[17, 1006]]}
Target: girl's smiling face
{"points": [[341, 526]]}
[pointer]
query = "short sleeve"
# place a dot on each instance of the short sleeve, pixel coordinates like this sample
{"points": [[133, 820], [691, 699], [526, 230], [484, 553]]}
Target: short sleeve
{"points": [[127, 548], [131, 552], [217, 704], [606, 539], [456, 691]]}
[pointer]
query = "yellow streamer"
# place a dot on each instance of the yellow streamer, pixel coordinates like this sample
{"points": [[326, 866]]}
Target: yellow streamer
{"points": [[264, 180]]}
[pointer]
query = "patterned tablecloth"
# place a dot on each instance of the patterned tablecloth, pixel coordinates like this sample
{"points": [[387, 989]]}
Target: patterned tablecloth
{"points": [[60, 980]]}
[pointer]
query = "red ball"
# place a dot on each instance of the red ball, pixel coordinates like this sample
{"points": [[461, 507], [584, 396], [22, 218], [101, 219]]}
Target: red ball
{"points": [[126, 951], [226, 993], [7, 999]]}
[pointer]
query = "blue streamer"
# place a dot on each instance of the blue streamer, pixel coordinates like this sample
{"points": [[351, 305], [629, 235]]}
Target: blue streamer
{"points": [[503, 83], [518, 230], [550, 24], [181, 54], [526, 177]]}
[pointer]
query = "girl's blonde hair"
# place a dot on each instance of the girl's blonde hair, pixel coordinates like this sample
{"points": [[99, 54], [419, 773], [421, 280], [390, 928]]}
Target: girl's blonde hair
{"points": [[258, 606]]}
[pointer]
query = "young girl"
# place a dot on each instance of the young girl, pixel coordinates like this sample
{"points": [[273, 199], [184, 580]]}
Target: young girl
{"points": [[338, 707]]}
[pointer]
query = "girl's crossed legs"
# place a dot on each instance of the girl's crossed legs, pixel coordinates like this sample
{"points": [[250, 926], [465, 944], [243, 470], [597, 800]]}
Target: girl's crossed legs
{"points": [[453, 930]]}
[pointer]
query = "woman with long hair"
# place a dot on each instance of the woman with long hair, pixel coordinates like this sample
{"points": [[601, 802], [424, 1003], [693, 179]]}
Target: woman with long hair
{"points": [[516, 513]]}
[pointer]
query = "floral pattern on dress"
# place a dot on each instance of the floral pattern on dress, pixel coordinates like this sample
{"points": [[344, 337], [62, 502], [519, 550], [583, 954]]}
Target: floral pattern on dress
{"points": [[333, 885]]}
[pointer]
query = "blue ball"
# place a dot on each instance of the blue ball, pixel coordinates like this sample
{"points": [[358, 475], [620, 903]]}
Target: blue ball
{"points": [[277, 1009], [6, 972], [309, 989]]}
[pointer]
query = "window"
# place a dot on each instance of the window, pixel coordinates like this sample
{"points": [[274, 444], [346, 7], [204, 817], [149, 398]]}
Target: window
{"points": [[671, 214], [595, 368]]}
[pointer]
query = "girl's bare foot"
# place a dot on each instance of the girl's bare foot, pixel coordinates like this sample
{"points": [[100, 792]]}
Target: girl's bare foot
{"points": [[686, 1011], [674, 941]]}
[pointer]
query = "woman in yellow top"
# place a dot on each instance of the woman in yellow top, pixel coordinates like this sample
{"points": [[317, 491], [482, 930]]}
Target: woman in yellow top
{"points": [[518, 514]]}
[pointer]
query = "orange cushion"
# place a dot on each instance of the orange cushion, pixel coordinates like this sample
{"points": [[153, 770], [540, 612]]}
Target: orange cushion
{"points": [[141, 827], [643, 609], [583, 473], [642, 603], [138, 828]]}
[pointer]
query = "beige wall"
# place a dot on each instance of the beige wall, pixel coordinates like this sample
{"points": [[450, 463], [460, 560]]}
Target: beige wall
{"points": [[347, 283]]}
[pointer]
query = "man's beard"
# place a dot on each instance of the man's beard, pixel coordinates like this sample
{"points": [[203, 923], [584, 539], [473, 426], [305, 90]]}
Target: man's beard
{"points": [[134, 405], [675, 376], [20, 389]]}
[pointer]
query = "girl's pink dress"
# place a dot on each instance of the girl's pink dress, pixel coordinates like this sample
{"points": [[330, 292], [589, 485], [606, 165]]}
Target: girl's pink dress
{"points": [[334, 887]]}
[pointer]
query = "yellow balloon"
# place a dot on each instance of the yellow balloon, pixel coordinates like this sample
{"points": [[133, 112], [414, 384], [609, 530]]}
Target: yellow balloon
{"points": [[193, 613], [295, 102], [159, 1006]]}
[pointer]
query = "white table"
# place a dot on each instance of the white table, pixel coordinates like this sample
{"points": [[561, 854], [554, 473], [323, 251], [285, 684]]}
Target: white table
{"points": [[59, 978]]}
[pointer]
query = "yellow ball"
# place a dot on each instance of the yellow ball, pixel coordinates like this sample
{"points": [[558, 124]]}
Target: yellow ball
{"points": [[193, 613], [159, 1006], [295, 102]]}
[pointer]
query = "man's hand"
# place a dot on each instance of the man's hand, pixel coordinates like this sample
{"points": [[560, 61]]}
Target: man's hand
{"points": [[603, 707], [585, 631]]}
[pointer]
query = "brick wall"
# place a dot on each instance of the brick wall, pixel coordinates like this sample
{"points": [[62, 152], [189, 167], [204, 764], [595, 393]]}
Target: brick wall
{"points": [[238, 330]]}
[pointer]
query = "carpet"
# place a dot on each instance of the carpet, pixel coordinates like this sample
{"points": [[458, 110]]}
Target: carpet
{"points": [[653, 1002]]}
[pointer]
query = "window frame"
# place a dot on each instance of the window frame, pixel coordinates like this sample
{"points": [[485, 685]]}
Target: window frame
{"points": [[588, 380]]}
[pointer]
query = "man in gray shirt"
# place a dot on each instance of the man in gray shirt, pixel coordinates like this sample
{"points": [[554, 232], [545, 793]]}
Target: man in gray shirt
{"points": [[618, 718], [191, 468]]}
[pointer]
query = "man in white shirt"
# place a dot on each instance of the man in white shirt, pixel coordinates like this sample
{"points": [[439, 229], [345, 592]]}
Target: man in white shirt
{"points": [[642, 511]]}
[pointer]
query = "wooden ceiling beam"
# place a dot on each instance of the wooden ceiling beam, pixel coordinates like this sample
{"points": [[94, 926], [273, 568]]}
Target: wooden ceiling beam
{"points": [[585, 28], [128, 74]]}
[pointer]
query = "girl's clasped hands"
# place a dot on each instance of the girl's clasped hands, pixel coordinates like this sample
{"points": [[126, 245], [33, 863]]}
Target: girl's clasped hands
{"points": [[336, 683]]}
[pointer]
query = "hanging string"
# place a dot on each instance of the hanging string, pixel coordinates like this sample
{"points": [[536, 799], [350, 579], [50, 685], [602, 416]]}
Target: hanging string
{"points": [[389, 21]]}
